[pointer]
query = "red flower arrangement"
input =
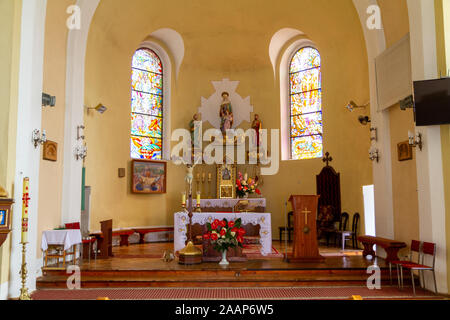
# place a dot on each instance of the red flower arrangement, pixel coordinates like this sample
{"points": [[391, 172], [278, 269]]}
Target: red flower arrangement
{"points": [[225, 234], [245, 186]]}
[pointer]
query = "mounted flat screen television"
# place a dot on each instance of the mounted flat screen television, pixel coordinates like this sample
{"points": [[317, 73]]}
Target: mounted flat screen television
{"points": [[432, 102]]}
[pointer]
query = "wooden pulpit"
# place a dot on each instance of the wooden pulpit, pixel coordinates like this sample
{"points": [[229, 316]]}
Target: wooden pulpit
{"points": [[305, 246], [105, 244]]}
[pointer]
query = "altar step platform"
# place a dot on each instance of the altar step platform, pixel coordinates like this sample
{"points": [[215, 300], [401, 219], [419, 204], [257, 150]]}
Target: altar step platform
{"points": [[151, 271]]}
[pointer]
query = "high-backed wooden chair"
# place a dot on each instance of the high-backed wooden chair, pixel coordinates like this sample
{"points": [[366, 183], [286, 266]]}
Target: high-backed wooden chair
{"points": [[355, 224], [289, 229]]}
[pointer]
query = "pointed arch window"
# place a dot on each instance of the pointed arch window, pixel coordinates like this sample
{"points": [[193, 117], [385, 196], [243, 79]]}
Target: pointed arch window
{"points": [[306, 127], [147, 106]]}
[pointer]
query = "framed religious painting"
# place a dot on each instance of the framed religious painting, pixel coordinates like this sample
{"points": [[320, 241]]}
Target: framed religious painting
{"points": [[226, 181], [50, 151], [404, 151], [148, 177]]}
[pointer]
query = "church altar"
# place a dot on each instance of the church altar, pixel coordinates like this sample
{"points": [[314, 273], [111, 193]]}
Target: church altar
{"points": [[181, 222], [226, 205]]}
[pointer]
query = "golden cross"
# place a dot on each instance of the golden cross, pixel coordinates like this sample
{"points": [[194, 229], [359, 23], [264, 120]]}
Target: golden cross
{"points": [[306, 212]]}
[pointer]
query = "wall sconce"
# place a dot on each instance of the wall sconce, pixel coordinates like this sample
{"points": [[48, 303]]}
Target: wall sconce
{"points": [[415, 140], [364, 120], [81, 152], [374, 154], [351, 106], [79, 136], [37, 138], [374, 134], [100, 108]]}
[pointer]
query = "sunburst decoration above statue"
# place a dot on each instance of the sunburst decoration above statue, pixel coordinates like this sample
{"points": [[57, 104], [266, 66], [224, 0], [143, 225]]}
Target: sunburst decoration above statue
{"points": [[210, 107]]}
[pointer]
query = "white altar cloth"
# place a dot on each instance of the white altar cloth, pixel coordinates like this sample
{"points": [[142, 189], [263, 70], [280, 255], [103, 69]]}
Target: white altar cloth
{"points": [[68, 238], [262, 219]]}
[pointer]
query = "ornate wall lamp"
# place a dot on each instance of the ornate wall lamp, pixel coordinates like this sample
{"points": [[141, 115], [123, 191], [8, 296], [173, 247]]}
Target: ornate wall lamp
{"points": [[351, 106], [415, 140], [81, 152], [374, 154], [37, 139]]}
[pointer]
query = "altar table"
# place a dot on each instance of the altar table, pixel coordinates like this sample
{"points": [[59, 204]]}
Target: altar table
{"points": [[181, 222], [68, 238], [227, 205]]}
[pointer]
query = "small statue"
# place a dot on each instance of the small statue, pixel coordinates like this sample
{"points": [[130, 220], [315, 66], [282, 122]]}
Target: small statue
{"points": [[257, 126], [194, 127], [226, 113]]}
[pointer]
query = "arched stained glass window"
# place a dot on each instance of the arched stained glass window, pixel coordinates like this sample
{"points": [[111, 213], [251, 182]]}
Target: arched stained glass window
{"points": [[306, 105], [146, 106]]}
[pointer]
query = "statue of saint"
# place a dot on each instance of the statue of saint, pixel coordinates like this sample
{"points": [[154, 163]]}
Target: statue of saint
{"points": [[257, 126], [195, 130], [226, 113]]}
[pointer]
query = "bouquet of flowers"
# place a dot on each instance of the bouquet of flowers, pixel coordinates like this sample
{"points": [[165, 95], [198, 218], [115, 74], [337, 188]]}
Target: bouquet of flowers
{"points": [[225, 234], [246, 186]]}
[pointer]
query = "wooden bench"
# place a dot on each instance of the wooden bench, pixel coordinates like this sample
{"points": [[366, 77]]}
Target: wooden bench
{"points": [[124, 234], [390, 246], [143, 231]]}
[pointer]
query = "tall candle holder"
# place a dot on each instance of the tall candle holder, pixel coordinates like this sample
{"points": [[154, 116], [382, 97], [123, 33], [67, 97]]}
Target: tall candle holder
{"points": [[190, 254], [24, 295], [209, 186]]}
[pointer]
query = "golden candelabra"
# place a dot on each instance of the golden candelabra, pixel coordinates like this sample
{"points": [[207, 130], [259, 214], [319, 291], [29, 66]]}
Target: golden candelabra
{"points": [[24, 295]]}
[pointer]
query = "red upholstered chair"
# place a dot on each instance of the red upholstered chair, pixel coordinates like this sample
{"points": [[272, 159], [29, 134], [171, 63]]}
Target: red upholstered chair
{"points": [[428, 249], [415, 248]]}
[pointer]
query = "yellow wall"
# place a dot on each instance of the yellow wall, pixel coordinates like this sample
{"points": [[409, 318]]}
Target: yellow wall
{"points": [[404, 173], [395, 20], [222, 40], [442, 9], [404, 178], [10, 11], [54, 81]]}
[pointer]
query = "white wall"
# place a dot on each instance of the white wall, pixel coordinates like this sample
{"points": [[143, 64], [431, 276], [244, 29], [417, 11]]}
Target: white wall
{"points": [[27, 157]]}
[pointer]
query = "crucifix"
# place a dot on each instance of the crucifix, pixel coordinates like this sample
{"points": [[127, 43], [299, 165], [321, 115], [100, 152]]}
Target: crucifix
{"points": [[327, 158], [306, 229]]}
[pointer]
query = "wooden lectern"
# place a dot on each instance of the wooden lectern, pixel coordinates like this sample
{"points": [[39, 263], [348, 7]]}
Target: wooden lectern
{"points": [[305, 247], [105, 244]]}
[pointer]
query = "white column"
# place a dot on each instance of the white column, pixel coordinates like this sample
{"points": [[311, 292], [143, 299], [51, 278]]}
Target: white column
{"points": [[382, 171], [76, 52], [429, 160], [27, 156]]}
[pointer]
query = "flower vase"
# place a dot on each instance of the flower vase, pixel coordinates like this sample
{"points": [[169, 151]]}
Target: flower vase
{"points": [[224, 261]]}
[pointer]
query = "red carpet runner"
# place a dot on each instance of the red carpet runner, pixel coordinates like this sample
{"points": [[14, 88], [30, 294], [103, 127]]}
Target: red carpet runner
{"points": [[308, 293]]}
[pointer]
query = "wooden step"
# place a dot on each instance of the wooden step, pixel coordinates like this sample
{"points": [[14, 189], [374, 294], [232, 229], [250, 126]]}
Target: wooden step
{"points": [[210, 278]]}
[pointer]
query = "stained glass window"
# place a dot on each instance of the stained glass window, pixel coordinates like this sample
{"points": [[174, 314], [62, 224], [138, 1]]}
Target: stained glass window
{"points": [[146, 106], [306, 105]]}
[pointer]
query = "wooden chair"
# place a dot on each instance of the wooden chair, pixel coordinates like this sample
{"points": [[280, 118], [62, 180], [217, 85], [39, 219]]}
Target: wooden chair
{"points": [[355, 224], [290, 228], [428, 249], [342, 227]]}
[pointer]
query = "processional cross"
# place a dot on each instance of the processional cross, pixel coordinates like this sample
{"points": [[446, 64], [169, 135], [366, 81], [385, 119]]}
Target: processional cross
{"points": [[327, 158], [306, 229]]}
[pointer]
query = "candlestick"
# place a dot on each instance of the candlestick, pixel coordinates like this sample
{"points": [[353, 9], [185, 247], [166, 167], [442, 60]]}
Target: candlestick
{"points": [[25, 199], [183, 199], [24, 295]]}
